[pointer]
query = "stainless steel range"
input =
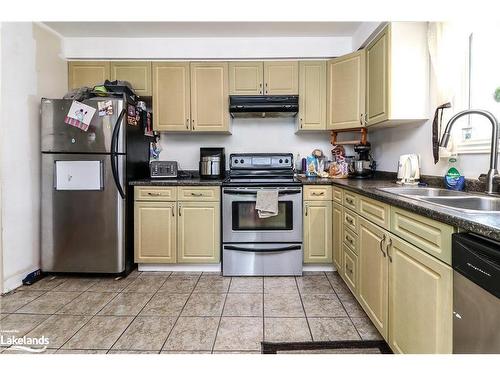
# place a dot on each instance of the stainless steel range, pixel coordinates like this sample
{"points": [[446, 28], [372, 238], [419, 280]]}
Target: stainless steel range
{"points": [[252, 245]]}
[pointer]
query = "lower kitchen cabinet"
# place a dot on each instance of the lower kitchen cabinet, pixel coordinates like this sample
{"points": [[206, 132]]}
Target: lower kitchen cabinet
{"points": [[317, 232], [337, 235], [155, 232], [198, 230], [420, 301]]}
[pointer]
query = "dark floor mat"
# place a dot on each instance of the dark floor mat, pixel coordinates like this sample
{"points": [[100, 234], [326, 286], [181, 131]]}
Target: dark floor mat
{"points": [[326, 347]]}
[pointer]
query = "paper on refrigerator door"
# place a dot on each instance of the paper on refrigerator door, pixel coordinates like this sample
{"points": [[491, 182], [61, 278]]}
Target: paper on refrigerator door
{"points": [[78, 175], [79, 115]]}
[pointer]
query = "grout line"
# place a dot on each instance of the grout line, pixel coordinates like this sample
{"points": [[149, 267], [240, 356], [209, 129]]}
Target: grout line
{"points": [[303, 308], [220, 318]]}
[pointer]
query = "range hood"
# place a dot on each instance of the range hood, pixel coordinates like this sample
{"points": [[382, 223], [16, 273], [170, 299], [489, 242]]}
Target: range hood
{"points": [[260, 106]]}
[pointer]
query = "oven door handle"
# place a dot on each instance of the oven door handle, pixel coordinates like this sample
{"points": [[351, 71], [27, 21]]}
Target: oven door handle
{"points": [[246, 192], [286, 248]]}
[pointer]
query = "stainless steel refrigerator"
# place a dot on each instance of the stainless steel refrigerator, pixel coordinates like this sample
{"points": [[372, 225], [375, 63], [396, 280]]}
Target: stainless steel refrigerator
{"points": [[87, 205]]}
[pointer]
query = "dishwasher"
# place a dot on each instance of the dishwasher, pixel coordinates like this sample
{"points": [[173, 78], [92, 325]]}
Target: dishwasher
{"points": [[476, 294]]}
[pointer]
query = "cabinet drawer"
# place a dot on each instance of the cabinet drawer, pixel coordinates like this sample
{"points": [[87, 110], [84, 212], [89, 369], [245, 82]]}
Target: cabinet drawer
{"points": [[198, 193], [351, 240], [337, 195], [375, 211], [429, 235], [351, 221], [350, 200], [350, 269], [318, 193], [155, 193]]}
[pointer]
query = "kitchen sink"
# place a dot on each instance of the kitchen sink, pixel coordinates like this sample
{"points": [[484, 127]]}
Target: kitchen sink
{"points": [[457, 200]]}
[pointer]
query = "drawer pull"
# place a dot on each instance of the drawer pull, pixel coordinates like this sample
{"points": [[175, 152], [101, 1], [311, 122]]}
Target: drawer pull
{"points": [[349, 239], [350, 201], [389, 244], [380, 245], [197, 194], [320, 193], [350, 221], [154, 194]]}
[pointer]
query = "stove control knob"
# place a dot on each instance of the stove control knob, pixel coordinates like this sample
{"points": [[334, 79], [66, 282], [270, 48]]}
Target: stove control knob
{"points": [[286, 161], [242, 161], [236, 161], [281, 161]]}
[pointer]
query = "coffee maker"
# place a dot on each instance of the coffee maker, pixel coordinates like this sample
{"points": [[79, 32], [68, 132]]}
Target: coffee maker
{"points": [[212, 162], [363, 166]]}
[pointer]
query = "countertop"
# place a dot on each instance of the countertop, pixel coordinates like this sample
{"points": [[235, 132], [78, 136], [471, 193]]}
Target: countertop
{"points": [[183, 181]]}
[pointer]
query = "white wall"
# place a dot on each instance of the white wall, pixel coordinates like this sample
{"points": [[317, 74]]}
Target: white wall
{"points": [[32, 67]]}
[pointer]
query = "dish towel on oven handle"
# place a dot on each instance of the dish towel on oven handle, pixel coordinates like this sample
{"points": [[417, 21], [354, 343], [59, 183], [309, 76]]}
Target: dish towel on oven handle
{"points": [[267, 203]]}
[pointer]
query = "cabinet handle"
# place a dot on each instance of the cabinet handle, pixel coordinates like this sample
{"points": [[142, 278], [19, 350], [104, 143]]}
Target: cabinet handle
{"points": [[350, 201], [348, 239], [266, 87], [380, 245], [350, 221], [180, 211], [320, 193], [361, 119], [193, 124], [173, 212], [301, 125], [306, 210], [388, 246], [197, 194], [187, 123], [154, 194]]}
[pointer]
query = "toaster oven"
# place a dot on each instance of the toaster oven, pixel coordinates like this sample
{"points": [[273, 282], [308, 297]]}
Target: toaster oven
{"points": [[163, 169]]}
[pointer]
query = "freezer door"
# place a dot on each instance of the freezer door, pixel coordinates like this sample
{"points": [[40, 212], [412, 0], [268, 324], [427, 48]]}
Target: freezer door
{"points": [[57, 136], [82, 214]]}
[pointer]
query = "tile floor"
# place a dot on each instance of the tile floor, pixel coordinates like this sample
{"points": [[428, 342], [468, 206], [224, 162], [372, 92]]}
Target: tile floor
{"points": [[163, 312]]}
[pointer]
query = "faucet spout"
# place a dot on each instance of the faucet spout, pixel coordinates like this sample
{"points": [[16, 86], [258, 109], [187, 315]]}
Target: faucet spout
{"points": [[493, 174]]}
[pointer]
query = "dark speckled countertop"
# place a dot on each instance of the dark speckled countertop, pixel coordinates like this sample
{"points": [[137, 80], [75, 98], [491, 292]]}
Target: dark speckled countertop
{"points": [[486, 224]]}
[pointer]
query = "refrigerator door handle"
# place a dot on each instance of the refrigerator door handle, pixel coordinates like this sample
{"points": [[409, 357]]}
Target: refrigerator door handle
{"points": [[114, 154]]}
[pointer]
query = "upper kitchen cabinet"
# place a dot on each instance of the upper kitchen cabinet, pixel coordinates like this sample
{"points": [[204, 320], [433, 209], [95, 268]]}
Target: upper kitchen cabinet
{"points": [[210, 97], [87, 73], [281, 78], [138, 73], [346, 91], [171, 97], [246, 77], [397, 75], [312, 95]]}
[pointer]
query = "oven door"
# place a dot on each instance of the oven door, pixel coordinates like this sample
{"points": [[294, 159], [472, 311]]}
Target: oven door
{"points": [[241, 222]]}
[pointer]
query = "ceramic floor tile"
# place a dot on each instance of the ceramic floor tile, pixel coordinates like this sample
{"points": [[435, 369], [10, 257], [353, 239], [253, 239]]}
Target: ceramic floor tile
{"points": [[155, 273], [82, 351], [323, 305], [146, 333], [87, 303], [239, 333], [3, 316], [59, 329], [208, 274], [186, 352], [49, 302], [353, 308], [14, 301], [338, 284], [113, 351], [285, 305], [186, 274], [314, 285], [149, 284], [165, 304], [243, 304], [100, 332], [333, 329], [212, 284], [134, 273], [76, 285], [21, 351], [45, 284], [280, 285], [180, 285], [236, 352], [313, 273], [246, 285], [204, 305], [126, 304], [366, 329], [192, 333], [20, 324], [286, 330], [111, 285]]}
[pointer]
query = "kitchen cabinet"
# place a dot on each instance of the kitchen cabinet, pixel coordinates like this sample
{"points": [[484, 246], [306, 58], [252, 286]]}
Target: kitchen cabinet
{"points": [[337, 235], [374, 274], [138, 73], [318, 231], [420, 301], [350, 269], [246, 78], [312, 95], [281, 78], [155, 232], [171, 96], [87, 73], [397, 75], [346, 91], [209, 97]]}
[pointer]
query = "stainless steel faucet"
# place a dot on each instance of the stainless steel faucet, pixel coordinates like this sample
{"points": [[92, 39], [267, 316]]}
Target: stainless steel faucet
{"points": [[492, 176]]}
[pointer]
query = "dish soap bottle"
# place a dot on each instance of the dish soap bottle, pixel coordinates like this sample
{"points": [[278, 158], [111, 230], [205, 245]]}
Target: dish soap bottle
{"points": [[452, 179]]}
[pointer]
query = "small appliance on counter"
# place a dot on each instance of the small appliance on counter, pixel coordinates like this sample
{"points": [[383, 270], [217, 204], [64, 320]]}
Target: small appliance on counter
{"points": [[363, 166], [409, 169], [163, 169], [212, 162]]}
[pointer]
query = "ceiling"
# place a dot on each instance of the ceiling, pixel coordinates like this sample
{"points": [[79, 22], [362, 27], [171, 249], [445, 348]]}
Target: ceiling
{"points": [[203, 29]]}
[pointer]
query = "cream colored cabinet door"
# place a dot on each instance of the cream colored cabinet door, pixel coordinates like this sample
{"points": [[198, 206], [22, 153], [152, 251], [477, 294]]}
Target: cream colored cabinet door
{"points": [[87, 73], [377, 78], [281, 77], [138, 73], [373, 273], [246, 78], [210, 97], [420, 301], [317, 232], [312, 95], [346, 91], [337, 217], [198, 232], [171, 97], [155, 232]]}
